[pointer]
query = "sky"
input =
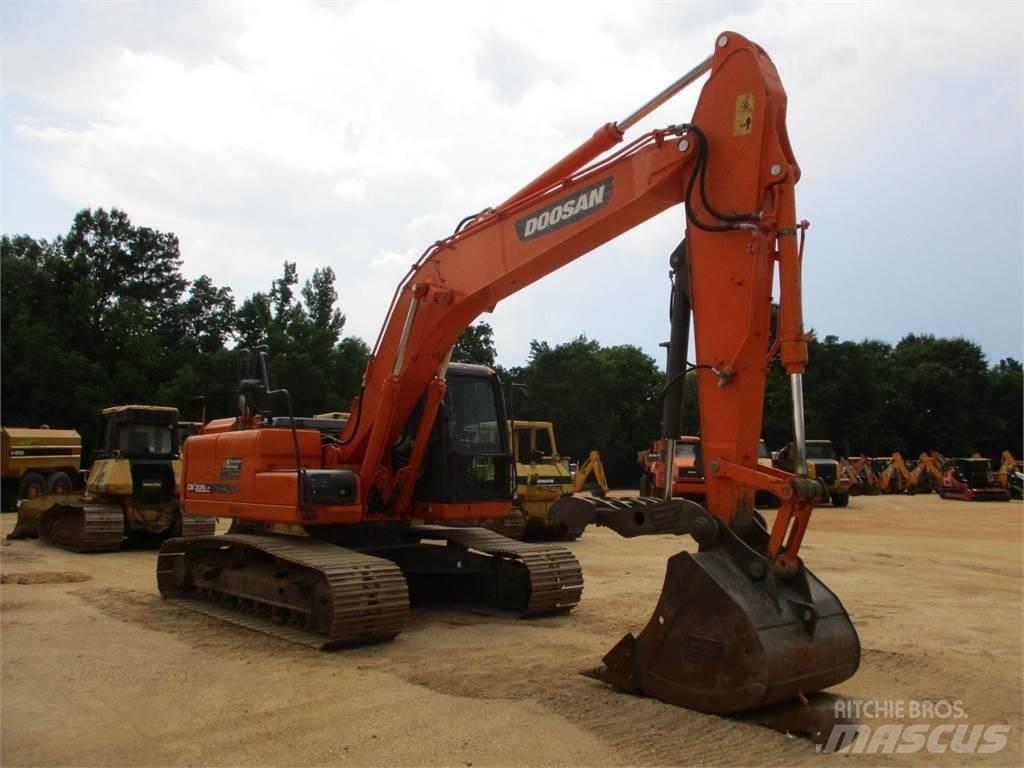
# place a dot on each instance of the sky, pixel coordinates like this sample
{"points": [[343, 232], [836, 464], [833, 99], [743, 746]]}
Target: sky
{"points": [[354, 135]]}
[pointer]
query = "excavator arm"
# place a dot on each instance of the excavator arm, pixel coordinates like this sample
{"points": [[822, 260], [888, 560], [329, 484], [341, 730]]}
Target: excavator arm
{"points": [[733, 168]]}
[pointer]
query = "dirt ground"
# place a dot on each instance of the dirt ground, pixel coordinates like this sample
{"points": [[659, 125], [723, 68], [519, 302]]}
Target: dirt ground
{"points": [[97, 670]]}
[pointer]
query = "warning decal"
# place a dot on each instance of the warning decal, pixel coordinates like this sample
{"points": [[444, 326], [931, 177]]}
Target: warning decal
{"points": [[744, 121]]}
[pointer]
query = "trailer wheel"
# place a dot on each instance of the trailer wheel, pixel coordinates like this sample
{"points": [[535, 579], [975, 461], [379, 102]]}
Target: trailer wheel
{"points": [[31, 486], [59, 482]]}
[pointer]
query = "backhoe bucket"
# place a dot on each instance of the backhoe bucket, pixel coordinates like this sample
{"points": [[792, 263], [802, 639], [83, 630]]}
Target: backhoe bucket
{"points": [[728, 636]]}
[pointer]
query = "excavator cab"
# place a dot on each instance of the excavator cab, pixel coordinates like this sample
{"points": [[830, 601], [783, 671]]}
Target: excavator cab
{"points": [[469, 458]]}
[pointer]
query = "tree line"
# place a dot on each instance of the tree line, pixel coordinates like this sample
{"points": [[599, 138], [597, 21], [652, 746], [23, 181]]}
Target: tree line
{"points": [[868, 397], [103, 315]]}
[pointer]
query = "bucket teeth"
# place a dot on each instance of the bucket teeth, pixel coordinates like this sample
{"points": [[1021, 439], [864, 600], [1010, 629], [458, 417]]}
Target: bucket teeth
{"points": [[618, 666]]}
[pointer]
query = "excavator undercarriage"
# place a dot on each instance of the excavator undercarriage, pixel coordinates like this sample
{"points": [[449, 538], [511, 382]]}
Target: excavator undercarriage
{"points": [[317, 592]]}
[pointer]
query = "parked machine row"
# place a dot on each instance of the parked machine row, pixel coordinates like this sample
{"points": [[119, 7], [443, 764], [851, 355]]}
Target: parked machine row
{"points": [[966, 478]]}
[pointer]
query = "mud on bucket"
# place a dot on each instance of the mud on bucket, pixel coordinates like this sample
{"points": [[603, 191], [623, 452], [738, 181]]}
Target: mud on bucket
{"points": [[721, 641]]}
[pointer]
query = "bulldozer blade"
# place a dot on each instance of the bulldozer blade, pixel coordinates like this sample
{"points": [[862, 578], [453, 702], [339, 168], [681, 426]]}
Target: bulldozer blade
{"points": [[30, 510], [728, 636]]}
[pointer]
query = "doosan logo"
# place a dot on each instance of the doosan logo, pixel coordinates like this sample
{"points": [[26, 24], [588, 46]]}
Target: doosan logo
{"points": [[565, 211]]}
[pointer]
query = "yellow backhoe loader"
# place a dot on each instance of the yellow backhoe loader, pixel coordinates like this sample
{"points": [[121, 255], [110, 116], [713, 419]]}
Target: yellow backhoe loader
{"points": [[543, 477], [859, 472], [1009, 475], [890, 478], [925, 476]]}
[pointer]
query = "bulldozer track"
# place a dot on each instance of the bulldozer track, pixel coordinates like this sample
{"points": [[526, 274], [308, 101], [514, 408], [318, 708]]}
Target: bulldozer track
{"points": [[299, 589], [83, 527], [556, 579]]}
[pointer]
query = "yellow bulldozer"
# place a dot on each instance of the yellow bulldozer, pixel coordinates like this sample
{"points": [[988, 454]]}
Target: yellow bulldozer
{"points": [[543, 477], [131, 493]]}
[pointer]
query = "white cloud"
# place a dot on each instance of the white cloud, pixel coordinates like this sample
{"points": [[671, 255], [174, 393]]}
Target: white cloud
{"points": [[351, 190], [390, 260], [355, 135]]}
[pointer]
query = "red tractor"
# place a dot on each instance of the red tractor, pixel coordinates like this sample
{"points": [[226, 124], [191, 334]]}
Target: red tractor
{"points": [[971, 480]]}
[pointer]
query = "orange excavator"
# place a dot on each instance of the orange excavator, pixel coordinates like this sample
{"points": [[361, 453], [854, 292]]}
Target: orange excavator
{"points": [[740, 624]]}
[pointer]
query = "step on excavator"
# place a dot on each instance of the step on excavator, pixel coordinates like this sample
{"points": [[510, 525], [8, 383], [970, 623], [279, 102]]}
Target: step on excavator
{"points": [[742, 623]]}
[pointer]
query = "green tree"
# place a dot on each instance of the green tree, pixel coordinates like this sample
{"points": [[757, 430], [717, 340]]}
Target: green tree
{"points": [[1005, 399], [475, 345], [205, 320], [321, 370], [941, 398], [604, 398], [87, 319]]}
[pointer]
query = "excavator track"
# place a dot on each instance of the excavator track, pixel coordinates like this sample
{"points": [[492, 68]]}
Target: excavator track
{"points": [[513, 526], [296, 588], [83, 527], [555, 579]]}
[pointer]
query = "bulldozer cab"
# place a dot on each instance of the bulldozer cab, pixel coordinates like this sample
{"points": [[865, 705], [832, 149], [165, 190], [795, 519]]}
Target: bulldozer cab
{"points": [[137, 453], [138, 432]]}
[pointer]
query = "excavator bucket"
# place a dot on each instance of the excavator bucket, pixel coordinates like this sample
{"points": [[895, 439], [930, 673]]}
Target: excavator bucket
{"points": [[728, 636]]}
